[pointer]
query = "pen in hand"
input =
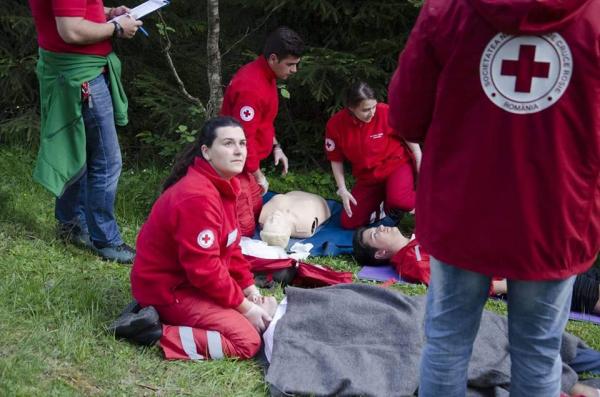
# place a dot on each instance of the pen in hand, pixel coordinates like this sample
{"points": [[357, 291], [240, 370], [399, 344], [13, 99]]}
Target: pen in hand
{"points": [[141, 28]]}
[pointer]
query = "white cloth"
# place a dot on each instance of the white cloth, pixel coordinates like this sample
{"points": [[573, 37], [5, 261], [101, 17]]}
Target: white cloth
{"points": [[260, 249], [268, 334], [300, 251]]}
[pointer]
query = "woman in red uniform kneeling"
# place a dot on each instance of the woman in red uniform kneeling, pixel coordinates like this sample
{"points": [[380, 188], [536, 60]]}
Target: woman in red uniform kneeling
{"points": [[189, 265], [382, 163]]}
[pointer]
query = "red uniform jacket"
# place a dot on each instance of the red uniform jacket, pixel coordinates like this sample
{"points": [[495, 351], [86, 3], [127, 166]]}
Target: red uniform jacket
{"points": [[372, 148], [44, 13], [191, 240], [412, 263], [509, 184], [251, 98]]}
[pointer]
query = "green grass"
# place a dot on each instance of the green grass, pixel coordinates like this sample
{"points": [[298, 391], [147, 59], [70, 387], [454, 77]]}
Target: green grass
{"points": [[56, 300]]}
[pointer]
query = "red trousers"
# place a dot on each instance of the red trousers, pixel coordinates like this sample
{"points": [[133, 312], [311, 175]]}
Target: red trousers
{"points": [[249, 203], [397, 191], [201, 330]]}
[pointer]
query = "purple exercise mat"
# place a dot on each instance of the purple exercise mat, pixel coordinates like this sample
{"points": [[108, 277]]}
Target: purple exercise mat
{"points": [[384, 273], [379, 273], [592, 318]]}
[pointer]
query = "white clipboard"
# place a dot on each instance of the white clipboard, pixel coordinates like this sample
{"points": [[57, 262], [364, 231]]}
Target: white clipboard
{"points": [[144, 9]]}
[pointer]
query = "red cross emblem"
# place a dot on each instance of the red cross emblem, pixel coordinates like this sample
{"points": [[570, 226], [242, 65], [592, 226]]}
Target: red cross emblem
{"points": [[246, 113], [329, 145], [525, 68], [525, 74], [206, 238]]}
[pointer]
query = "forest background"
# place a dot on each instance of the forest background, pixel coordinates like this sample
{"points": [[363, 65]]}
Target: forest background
{"points": [[347, 41]]}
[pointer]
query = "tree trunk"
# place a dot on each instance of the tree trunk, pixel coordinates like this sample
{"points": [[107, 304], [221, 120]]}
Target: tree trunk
{"points": [[214, 59]]}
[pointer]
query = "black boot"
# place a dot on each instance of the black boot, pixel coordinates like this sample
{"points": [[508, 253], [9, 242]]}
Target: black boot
{"points": [[141, 326]]}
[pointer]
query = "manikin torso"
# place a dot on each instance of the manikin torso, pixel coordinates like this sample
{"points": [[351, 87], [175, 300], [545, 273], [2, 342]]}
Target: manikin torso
{"points": [[293, 214]]}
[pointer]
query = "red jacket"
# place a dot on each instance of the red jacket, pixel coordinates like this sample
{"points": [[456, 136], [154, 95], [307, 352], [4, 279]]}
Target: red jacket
{"points": [[509, 185], [191, 240], [373, 149], [44, 13], [412, 263], [251, 98]]}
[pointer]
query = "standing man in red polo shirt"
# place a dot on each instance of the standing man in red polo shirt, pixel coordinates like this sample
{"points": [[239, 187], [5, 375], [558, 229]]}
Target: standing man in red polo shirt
{"points": [[81, 100], [505, 94], [252, 98]]}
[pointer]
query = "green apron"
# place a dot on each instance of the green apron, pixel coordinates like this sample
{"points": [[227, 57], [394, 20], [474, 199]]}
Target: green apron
{"points": [[62, 155]]}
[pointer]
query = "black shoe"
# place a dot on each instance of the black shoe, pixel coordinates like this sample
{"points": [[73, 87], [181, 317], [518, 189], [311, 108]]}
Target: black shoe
{"points": [[72, 234], [143, 327], [149, 336], [123, 253], [132, 307]]}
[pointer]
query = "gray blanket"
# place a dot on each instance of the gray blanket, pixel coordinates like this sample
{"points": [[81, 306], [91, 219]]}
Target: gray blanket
{"points": [[354, 339]]}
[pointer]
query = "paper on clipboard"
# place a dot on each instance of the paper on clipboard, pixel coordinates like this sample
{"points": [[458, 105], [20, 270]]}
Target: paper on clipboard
{"points": [[144, 9]]}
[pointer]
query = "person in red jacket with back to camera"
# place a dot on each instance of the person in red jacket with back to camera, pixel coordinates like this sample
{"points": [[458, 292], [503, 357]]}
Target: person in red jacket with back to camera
{"points": [[382, 163], [189, 266], [505, 95], [251, 98]]}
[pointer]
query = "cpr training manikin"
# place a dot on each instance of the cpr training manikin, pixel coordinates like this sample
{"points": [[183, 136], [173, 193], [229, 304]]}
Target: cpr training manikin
{"points": [[294, 214]]}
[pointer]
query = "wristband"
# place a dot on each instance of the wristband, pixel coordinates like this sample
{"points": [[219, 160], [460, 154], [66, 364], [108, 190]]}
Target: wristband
{"points": [[118, 32], [276, 146]]}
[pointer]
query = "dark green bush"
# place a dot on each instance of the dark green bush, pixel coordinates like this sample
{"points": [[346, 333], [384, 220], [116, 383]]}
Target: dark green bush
{"points": [[346, 40]]}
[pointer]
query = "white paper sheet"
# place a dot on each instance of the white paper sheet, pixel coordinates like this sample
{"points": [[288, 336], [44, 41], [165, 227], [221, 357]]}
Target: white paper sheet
{"points": [[144, 9]]}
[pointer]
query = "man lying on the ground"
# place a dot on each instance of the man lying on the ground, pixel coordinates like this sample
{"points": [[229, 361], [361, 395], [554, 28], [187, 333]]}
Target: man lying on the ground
{"points": [[383, 245]]}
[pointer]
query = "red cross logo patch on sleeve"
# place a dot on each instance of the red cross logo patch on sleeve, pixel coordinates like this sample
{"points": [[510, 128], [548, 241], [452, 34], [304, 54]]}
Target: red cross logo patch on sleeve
{"points": [[329, 145], [247, 113], [206, 238], [525, 74]]}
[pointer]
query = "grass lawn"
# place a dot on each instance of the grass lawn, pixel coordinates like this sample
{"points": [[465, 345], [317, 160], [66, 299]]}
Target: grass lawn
{"points": [[55, 301]]}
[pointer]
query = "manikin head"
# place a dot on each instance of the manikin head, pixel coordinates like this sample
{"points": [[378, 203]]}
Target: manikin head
{"points": [[293, 214], [361, 102], [377, 244], [277, 229], [283, 49]]}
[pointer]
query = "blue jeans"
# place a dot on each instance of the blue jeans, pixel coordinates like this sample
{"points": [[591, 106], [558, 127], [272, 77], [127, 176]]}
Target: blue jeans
{"points": [[586, 360], [89, 202], [537, 314]]}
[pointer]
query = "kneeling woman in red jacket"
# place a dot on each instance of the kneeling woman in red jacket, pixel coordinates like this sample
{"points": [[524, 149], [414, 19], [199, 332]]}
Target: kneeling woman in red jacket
{"points": [[189, 265], [381, 161]]}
